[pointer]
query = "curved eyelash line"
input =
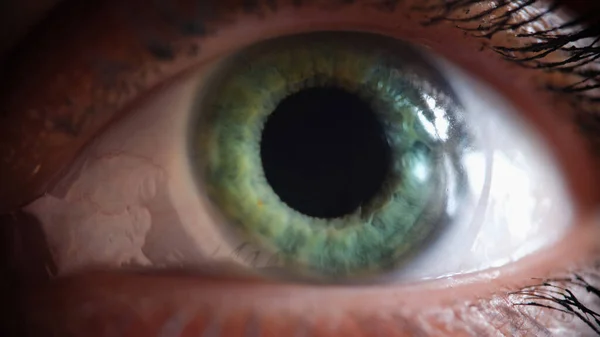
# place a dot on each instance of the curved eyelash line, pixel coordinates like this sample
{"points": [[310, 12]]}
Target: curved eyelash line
{"points": [[575, 43], [581, 42], [560, 295]]}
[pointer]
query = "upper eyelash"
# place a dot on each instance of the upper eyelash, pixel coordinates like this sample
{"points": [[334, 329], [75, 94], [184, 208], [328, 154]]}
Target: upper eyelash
{"points": [[530, 55], [558, 294], [577, 41]]}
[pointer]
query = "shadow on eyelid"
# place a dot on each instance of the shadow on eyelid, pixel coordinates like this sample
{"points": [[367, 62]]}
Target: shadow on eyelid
{"points": [[25, 251], [24, 260]]}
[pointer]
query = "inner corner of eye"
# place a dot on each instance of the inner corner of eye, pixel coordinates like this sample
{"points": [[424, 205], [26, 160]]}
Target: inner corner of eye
{"points": [[350, 156]]}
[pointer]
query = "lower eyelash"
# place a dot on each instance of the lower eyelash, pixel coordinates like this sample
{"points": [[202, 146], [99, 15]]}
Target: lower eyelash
{"points": [[577, 297], [563, 306]]}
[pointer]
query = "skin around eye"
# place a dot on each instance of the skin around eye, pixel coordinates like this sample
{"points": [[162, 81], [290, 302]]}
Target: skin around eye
{"points": [[244, 322]]}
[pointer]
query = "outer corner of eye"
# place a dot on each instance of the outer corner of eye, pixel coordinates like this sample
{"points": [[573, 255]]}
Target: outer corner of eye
{"points": [[329, 156]]}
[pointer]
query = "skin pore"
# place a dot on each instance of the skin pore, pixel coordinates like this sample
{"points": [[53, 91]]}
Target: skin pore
{"points": [[67, 84]]}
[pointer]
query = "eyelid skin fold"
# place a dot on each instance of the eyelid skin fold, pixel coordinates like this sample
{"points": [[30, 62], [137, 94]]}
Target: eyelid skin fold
{"points": [[128, 55]]}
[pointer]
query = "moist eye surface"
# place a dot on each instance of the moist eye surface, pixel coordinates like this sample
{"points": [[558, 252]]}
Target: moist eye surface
{"points": [[331, 151]]}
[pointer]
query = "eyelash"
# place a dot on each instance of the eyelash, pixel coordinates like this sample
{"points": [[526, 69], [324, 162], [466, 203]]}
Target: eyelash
{"points": [[559, 294], [582, 94], [556, 294]]}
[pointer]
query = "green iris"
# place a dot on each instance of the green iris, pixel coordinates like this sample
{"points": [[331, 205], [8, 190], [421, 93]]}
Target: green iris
{"points": [[383, 231]]}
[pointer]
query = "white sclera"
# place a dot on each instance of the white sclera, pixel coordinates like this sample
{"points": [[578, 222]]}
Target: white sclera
{"points": [[521, 202], [131, 197]]}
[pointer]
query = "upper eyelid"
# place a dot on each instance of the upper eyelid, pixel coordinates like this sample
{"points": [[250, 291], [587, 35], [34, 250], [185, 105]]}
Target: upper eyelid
{"points": [[74, 117]]}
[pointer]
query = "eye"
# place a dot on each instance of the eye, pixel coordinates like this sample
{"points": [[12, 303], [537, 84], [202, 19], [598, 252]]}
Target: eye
{"points": [[368, 161], [342, 155], [324, 156]]}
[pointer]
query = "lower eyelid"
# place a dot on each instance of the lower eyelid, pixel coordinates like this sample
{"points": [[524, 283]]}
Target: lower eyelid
{"points": [[577, 248], [136, 305], [564, 257], [191, 305]]}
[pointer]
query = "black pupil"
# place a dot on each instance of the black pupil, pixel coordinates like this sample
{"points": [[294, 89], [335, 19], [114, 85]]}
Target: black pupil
{"points": [[324, 152]]}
